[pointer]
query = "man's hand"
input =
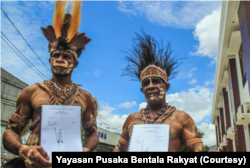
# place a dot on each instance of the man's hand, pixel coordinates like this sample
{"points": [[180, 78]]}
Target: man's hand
{"points": [[85, 149], [37, 155]]}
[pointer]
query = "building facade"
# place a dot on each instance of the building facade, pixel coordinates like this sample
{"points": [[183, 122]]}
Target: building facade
{"points": [[108, 134], [10, 89], [108, 138], [231, 99]]}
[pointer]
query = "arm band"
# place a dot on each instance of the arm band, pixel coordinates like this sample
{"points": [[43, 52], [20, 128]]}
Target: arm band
{"points": [[18, 119], [192, 141], [89, 123]]}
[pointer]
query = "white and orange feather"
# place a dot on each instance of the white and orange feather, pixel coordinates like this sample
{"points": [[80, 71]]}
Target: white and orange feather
{"points": [[59, 13], [75, 20]]}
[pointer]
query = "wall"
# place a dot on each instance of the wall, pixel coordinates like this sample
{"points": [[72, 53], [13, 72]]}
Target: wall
{"points": [[244, 97], [10, 89], [111, 138]]}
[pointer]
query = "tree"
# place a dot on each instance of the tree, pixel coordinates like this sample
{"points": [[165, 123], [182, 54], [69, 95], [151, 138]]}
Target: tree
{"points": [[206, 148], [82, 135]]}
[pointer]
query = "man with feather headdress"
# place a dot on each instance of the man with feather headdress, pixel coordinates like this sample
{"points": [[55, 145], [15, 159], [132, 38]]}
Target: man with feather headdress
{"points": [[154, 66], [65, 47]]}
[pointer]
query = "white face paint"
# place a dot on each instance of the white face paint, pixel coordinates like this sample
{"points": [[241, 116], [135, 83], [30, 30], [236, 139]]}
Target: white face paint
{"points": [[153, 96], [162, 92]]}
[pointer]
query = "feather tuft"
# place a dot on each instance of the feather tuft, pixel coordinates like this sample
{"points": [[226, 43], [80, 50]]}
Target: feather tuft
{"points": [[79, 41], [60, 7], [75, 19], [146, 51], [49, 33]]}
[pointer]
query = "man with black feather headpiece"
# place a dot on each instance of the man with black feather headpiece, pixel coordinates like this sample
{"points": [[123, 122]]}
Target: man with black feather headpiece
{"points": [[153, 65], [65, 47]]}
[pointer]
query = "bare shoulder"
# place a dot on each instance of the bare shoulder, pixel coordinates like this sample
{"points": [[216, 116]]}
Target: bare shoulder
{"points": [[88, 100], [28, 91], [132, 117], [180, 113], [82, 91], [85, 94], [182, 116], [31, 88]]}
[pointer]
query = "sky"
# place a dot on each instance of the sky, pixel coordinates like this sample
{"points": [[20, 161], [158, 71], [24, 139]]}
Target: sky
{"points": [[192, 28]]}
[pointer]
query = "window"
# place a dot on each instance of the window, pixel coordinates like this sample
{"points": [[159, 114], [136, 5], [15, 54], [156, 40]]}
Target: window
{"points": [[105, 136], [242, 66]]}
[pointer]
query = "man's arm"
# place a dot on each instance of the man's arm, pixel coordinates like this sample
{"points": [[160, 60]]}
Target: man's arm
{"points": [[17, 122], [122, 145], [190, 135], [89, 125]]}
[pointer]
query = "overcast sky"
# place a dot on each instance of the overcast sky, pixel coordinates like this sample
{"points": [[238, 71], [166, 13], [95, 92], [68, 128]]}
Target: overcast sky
{"points": [[192, 28]]}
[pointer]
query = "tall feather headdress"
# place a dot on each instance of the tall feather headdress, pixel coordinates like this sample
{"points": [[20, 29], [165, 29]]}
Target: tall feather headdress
{"points": [[148, 58], [64, 35]]}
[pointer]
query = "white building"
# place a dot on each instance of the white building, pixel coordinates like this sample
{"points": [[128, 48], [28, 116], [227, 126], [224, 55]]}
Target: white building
{"points": [[108, 135], [231, 100]]}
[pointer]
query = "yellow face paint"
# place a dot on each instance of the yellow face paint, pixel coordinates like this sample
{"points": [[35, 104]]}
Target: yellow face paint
{"points": [[152, 97], [64, 65], [68, 67], [149, 86], [161, 93]]}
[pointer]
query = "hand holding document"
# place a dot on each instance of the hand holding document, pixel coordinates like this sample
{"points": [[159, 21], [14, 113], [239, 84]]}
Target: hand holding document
{"points": [[60, 128], [149, 138]]}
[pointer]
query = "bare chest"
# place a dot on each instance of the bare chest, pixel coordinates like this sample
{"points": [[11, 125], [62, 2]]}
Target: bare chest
{"points": [[176, 128], [42, 98]]}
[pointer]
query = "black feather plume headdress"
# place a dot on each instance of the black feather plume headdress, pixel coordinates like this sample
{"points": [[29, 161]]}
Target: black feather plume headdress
{"points": [[148, 58], [64, 35]]}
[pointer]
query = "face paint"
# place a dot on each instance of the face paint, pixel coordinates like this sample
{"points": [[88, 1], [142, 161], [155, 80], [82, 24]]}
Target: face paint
{"points": [[150, 84], [193, 129], [173, 132], [152, 97], [64, 65], [186, 121], [161, 93], [68, 68], [173, 117], [21, 110], [181, 117]]}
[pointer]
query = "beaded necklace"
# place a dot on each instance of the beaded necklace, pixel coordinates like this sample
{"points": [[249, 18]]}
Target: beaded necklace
{"points": [[164, 113], [59, 95]]}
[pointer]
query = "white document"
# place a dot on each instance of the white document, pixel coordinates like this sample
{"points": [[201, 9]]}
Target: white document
{"points": [[60, 128], [149, 138]]}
